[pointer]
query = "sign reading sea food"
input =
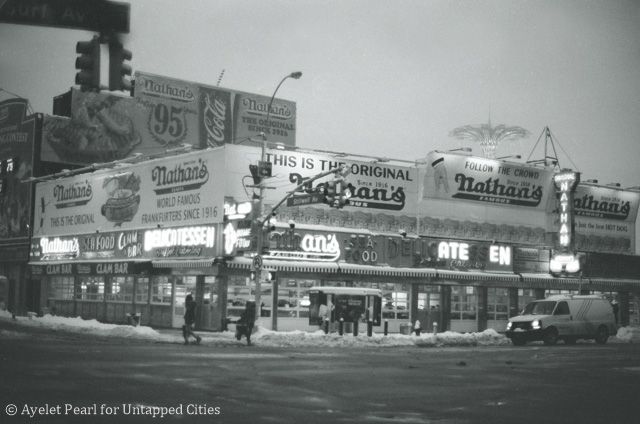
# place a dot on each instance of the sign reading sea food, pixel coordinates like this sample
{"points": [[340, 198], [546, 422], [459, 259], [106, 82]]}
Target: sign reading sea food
{"points": [[375, 186], [174, 191]]}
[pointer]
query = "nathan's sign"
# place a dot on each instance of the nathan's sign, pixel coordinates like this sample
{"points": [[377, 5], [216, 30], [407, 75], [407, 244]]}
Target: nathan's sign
{"points": [[566, 183], [181, 190], [171, 112], [375, 186], [300, 245], [475, 179], [606, 203]]}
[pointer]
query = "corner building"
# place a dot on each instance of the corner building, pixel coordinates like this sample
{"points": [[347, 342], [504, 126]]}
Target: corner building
{"points": [[457, 242]]}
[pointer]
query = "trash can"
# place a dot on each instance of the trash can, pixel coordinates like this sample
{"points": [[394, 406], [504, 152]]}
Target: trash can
{"points": [[134, 319], [405, 328]]}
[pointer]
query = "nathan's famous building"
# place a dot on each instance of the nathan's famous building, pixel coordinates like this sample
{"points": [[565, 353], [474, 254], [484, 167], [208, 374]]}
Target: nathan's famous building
{"points": [[453, 239]]}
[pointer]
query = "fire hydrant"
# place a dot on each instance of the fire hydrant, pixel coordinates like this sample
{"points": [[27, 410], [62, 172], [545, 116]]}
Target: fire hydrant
{"points": [[435, 328]]}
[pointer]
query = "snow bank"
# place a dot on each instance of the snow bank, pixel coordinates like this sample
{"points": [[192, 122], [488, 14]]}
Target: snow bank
{"points": [[265, 337]]}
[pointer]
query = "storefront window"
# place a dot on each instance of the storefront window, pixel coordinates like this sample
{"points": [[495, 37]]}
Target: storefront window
{"points": [[497, 304], [142, 290], [61, 288], [464, 301], [120, 289], [161, 289], [91, 288]]}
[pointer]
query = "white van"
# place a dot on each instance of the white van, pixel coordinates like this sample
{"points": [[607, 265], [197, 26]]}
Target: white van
{"points": [[563, 317]]}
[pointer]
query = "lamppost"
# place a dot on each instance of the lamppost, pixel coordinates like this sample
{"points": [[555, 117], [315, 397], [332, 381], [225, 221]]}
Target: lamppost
{"points": [[261, 222]]}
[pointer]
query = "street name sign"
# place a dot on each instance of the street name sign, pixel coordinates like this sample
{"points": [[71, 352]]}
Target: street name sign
{"points": [[92, 15]]}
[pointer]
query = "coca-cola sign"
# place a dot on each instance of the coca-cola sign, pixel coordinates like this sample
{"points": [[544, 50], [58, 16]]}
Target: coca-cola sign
{"points": [[215, 117]]}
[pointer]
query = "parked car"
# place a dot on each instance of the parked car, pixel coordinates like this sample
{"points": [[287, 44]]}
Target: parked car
{"points": [[563, 317]]}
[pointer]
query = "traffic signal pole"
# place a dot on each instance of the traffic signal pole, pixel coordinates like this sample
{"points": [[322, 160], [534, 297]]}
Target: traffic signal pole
{"points": [[343, 171]]}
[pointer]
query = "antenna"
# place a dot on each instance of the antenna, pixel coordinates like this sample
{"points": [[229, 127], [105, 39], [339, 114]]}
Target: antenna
{"points": [[220, 78]]}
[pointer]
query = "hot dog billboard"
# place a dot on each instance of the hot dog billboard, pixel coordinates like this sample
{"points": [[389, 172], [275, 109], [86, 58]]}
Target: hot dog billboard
{"points": [[480, 198], [377, 187], [173, 191], [604, 217]]}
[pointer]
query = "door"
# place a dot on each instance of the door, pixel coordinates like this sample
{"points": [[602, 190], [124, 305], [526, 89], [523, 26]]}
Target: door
{"points": [[210, 317]]}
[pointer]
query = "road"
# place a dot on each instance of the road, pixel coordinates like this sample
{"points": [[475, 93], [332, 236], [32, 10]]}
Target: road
{"points": [[108, 380]]}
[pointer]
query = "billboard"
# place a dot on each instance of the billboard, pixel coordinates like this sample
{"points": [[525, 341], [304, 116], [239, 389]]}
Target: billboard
{"points": [[170, 112], [479, 198], [605, 218], [17, 135], [101, 128], [378, 189], [174, 191]]}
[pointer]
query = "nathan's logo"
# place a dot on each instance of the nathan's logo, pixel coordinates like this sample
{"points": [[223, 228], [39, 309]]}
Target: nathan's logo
{"points": [[58, 248], [282, 110], [384, 196], [182, 177], [167, 90], [310, 247], [608, 209], [75, 194], [492, 190]]}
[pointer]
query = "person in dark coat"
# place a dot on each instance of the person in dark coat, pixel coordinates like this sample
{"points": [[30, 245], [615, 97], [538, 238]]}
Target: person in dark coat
{"points": [[189, 320], [244, 326]]}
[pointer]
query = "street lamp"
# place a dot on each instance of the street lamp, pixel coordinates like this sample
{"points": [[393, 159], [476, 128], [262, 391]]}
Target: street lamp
{"points": [[260, 235]]}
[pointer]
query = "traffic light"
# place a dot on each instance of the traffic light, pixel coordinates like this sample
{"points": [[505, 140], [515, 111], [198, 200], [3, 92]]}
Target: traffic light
{"points": [[344, 193], [336, 193], [118, 70], [88, 63], [262, 170], [329, 192]]}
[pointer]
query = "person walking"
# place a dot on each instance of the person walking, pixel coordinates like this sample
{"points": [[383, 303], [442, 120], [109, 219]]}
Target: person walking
{"points": [[189, 320]]}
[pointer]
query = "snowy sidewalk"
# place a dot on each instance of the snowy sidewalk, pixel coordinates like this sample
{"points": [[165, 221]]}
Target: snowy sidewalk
{"points": [[264, 337]]}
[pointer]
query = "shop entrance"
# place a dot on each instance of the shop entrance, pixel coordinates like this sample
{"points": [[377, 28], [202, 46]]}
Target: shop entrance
{"points": [[210, 316], [184, 285]]}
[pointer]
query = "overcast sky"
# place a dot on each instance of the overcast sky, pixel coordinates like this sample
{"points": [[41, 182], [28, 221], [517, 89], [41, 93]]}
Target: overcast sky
{"points": [[390, 78]]}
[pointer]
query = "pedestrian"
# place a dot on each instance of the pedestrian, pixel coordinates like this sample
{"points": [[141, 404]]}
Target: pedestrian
{"points": [[189, 320], [244, 326], [616, 308], [417, 328]]}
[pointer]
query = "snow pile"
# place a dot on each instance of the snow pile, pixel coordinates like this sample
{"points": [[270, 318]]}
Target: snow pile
{"points": [[629, 334], [266, 337], [91, 326]]}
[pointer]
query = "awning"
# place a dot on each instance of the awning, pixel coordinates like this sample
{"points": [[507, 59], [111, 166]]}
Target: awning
{"points": [[476, 276], [545, 281], [183, 263], [85, 261], [615, 282], [386, 271], [286, 266]]}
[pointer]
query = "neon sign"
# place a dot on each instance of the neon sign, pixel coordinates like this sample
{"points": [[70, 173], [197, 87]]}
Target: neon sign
{"points": [[564, 260], [310, 247], [179, 237]]}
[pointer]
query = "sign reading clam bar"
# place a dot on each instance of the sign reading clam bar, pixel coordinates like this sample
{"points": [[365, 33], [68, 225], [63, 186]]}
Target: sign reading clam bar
{"points": [[184, 190]]}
